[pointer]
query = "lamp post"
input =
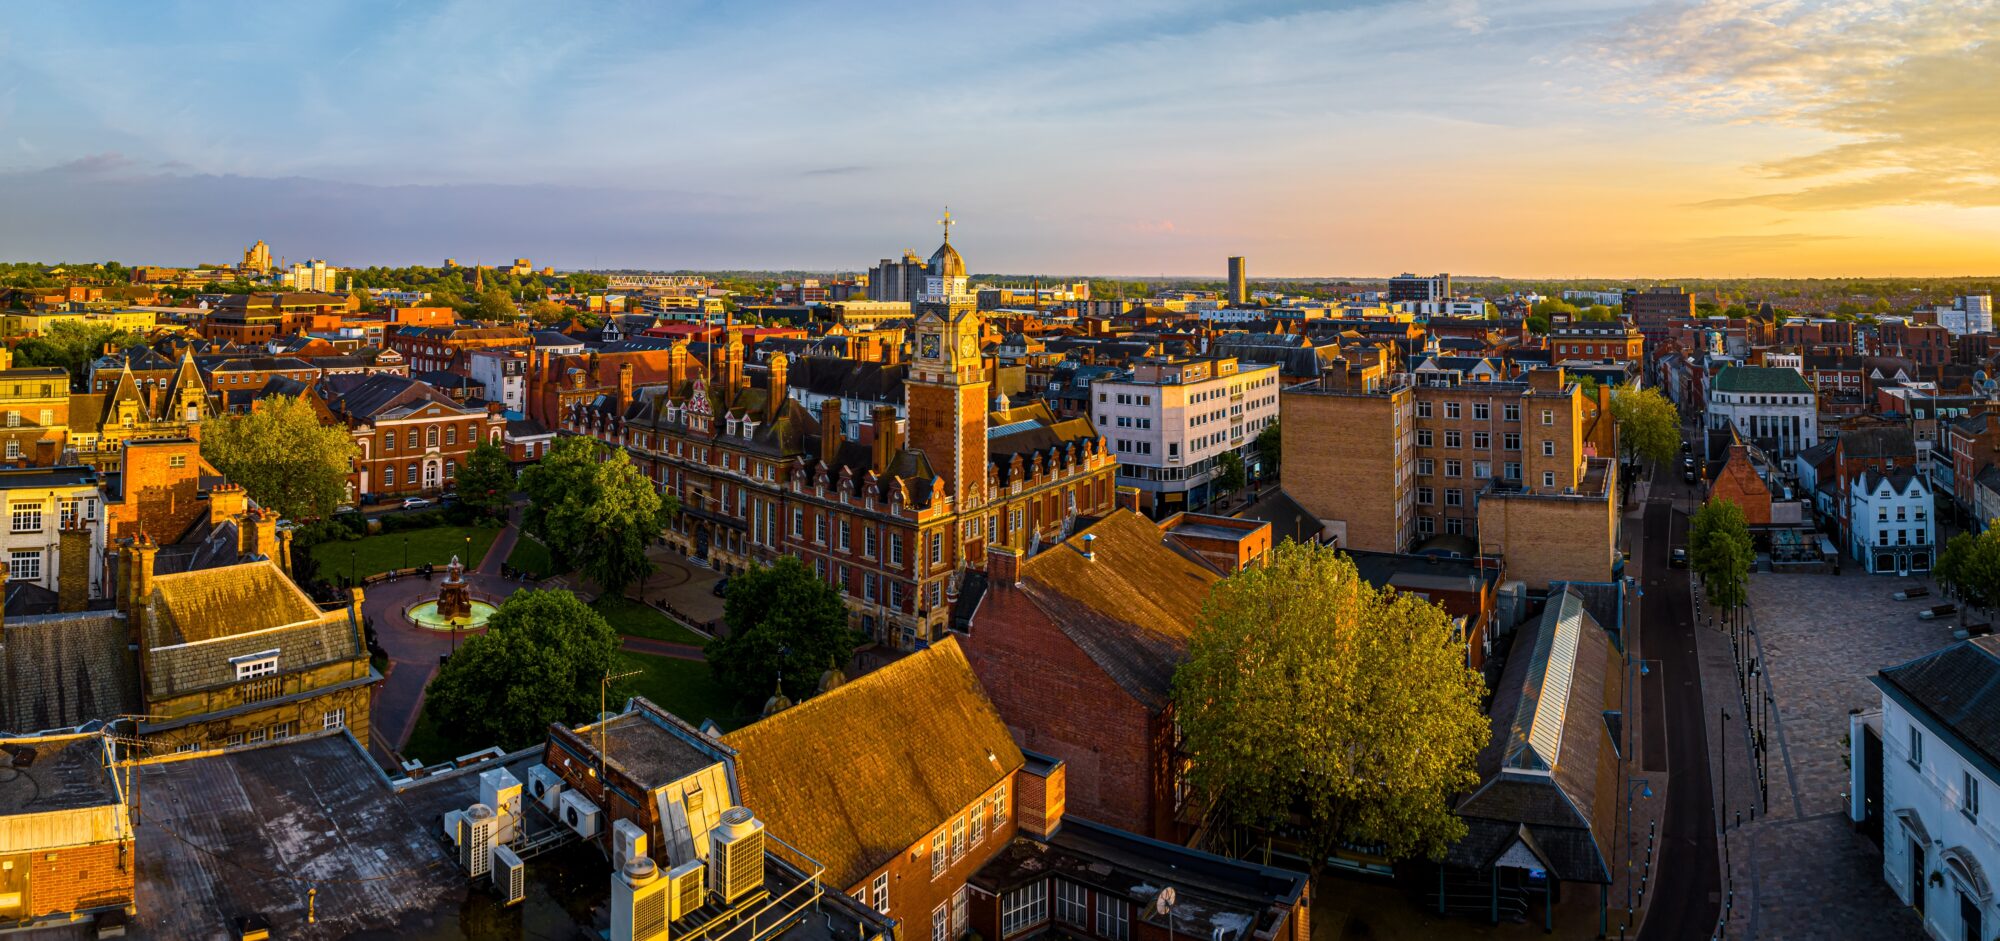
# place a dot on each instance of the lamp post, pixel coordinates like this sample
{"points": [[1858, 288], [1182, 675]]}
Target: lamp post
{"points": [[406, 553], [353, 565], [1631, 838]]}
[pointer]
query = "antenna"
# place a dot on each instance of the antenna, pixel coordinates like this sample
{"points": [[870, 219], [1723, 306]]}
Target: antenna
{"points": [[602, 687]]}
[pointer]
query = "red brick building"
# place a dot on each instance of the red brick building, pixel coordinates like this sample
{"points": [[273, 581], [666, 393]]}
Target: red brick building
{"points": [[899, 820], [433, 348], [1078, 645], [66, 837], [411, 437]]}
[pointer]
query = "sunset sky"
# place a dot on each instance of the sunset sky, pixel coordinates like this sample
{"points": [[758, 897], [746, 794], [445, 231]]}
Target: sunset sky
{"points": [[1523, 138]]}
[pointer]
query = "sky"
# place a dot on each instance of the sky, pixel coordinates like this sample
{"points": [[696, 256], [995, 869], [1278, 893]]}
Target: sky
{"points": [[1518, 138]]}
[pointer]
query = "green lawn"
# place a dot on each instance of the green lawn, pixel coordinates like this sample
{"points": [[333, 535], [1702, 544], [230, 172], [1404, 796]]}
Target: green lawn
{"points": [[385, 552], [430, 745], [640, 620], [532, 556], [682, 687]]}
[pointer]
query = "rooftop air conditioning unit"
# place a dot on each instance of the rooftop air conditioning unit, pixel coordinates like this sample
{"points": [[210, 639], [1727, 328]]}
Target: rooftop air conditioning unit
{"points": [[686, 887], [452, 820], [545, 786], [475, 839], [579, 814], [628, 842], [736, 849], [500, 790], [638, 902], [510, 876]]}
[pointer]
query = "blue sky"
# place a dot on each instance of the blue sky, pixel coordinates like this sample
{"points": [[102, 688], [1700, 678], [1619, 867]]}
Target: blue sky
{"points": [[1527, 137]]}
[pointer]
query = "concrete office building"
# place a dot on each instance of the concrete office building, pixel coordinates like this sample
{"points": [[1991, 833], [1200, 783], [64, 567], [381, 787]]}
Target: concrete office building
{"points": [[1169, 422], [1239, 281], [1411, 287], [1972, 313]]}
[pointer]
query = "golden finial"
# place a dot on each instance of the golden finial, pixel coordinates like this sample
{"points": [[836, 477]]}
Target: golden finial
{"points": [[946, 222]]}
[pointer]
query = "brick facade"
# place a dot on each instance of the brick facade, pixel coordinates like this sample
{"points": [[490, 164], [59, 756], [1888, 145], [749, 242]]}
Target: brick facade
{"points": [[87, 878]]}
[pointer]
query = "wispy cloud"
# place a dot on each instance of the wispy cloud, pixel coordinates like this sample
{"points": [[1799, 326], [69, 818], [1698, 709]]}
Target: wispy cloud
{"points": [[1907, 87]]}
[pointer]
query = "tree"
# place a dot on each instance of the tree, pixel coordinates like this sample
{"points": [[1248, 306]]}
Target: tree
{"points": [[495, 304], [548, 313], [1549, 308], [785, 626], [1969, 568], [540, 661], [486, 480], [1538, 325], [1314, 701], [588, 504], [1648, 426], [282, 456], [1228, 476], [1598, 313], [1720, 551], [73, 345], [1269, 444]]}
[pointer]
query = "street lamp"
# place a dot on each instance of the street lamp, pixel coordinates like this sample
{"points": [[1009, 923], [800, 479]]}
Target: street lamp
{"points": [[406, 553], [1646, 791], [353, 564]]}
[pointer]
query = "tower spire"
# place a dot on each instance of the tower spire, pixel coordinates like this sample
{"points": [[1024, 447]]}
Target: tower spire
{"points": [[946, 222]]}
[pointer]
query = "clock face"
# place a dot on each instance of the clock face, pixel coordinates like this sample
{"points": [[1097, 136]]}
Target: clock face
{"points": [[928, 345], [968, 348]]}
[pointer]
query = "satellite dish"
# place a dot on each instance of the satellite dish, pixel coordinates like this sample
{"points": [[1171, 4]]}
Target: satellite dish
{"points": [[1164, 902]]}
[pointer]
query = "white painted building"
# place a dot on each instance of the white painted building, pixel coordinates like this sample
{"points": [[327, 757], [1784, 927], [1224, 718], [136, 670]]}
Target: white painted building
{"points": [[42, 502], [1771, 407], [1169, 421], [504, 373], [1924, 771], [1890, 529], [1971, 313]]}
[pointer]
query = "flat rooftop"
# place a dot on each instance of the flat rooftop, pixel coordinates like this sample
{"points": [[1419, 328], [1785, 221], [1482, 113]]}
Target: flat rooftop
{"points": [[41, 775], [640, 742]]}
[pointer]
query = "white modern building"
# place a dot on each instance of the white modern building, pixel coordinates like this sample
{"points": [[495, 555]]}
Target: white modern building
{"points": [[1971, 313], [504, 373], [1890, 525], [1170, 420], [1771, 407], [1921, 770], [314, 275]]}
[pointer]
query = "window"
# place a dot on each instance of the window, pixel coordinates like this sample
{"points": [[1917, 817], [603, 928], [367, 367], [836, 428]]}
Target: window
{"points": [[1072, 904], [1454, 497], [882, 893], [281, 730], [251, 666], [13, 449], [1451, 410], [253, 736], [978, 826], [68, 513], [941, 922], [1453, 468], [1481, 411], [25, 565], [431, 437], [1548, 448], [896, 550], [451, 435], [1423, 496], [177, 460], [958, 911], [413, 439], [1969, 800], [451, 470], [1510, 412], [1423, 438], [1481, 441], [1024, 908], [999, 807], [938, 857], [937, 548], [1548, 416], [334, 719], [1453, 439], [1548, 478], [868, 541], [798, 522], [846, 535], [1513, 470], [819, 529], [1423, 409], [958, 838], [1112, 923], [27, 518], [1916, 747], [388, 475], [1426, 467]]}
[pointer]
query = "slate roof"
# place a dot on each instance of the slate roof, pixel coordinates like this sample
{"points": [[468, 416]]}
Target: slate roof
{"points": [[203, 618], [1131, 609], [1958, 689], [858, 775], [381, 395], [1550, 772], [62, 670], [1877, 441], [1758, 379], [1288, 519]]}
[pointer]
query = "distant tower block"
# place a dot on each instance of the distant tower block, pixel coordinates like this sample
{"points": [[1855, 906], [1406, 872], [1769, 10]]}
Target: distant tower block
{"points": [[1239, 281]]}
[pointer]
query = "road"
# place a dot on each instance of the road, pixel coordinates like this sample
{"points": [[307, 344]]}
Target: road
{"points": [[1688, 881]]}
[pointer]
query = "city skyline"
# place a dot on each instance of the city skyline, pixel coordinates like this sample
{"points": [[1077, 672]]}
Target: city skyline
{"points": [[1536, 139]]}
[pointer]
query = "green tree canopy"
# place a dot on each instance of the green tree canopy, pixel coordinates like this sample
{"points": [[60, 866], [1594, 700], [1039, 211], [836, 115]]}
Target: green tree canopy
{"points": [[1548, 308], [1269, 444], [540, 661], [1313, 700], [1228, 472], [783, 623], [589, 505], [1538, 325], [1720, 551], [495, 304], [486, 480], [1969, 568], [73, 346], [283, 457], [1649, 427]]}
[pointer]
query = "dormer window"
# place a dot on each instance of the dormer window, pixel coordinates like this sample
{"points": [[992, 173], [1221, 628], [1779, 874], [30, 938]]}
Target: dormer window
{"points": [[252, 666]]}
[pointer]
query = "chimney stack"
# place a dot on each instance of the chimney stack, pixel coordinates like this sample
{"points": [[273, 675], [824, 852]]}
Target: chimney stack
{"points": [[886, 444], [829, 431], [624, 386], [780, 389], [73, 570], [1003, 565]]}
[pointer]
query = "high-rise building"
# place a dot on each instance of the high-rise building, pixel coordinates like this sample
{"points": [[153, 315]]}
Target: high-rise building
{"points": [[1412, 287], [315, 276], [258, 258], [1971, 313], [1239, 281]]}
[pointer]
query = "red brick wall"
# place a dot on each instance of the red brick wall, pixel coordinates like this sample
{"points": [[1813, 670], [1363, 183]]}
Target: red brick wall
{"points": [[1057, 701], [159, 498], [80, 878], [914, 894]]}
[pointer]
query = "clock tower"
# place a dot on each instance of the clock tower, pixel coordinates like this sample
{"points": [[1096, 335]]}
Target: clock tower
{"points": [[948, 386]]}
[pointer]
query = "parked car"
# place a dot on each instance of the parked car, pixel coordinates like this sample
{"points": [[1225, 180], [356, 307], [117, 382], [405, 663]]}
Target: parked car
{"points": [[1679, 559], [1908, 594], [346, 509], [1934, 612], [415, 503], [1688, 476], [720, 589], [449, 496], [1687, 448]]}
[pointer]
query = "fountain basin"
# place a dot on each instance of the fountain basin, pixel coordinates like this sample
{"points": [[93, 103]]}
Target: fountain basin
{"points": [[426, 616]]}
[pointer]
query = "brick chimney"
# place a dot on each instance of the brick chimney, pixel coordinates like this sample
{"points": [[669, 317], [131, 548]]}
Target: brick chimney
{"points": [[780, 389], [624, 386], [138, 568], [886, 444], [829, 431], [1003, 565], [73, 570]]}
